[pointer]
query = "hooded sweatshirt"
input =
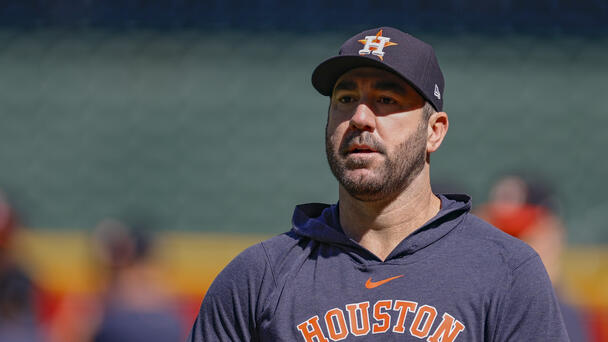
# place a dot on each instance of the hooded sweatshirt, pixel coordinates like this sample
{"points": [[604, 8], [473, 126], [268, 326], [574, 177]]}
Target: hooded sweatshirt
{"points": [[456, 278]]}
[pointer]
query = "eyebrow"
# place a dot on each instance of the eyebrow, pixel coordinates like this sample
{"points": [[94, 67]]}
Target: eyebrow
{"points": [[379, 85], [390, 86], [346, 85]]}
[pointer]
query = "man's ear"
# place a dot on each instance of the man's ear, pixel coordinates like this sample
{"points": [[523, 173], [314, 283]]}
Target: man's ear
{"points": [[437, 129]]}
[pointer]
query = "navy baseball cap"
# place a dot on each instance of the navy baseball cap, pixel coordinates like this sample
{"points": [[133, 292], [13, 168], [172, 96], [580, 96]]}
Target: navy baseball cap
{"points": [[389, 49]]}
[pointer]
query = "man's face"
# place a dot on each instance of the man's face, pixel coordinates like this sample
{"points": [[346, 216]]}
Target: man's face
{"points": [[375, 137]]}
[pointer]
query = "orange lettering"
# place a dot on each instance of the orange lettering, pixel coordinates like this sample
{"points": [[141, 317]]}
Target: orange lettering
{"points": [[379, 315], [430, 314], [311, 330], [448, 330], [352, 315], [404, 307], [334, 334]]}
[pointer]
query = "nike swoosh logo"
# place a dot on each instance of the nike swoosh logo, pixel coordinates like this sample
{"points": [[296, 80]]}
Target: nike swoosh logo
{"points": [[371, 284]]}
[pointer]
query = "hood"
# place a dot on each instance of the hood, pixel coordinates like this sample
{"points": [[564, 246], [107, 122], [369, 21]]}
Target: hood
{"points": [[321, 222]]}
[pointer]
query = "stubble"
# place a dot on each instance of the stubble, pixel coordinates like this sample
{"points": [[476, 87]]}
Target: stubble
{"points": [[395, 173]]}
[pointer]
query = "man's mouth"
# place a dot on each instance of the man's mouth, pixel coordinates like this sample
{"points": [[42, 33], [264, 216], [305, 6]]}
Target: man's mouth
{"points": [[360, 149]]}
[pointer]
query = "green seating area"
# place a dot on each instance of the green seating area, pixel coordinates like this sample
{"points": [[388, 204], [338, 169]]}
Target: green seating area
{"points": [[222, 131]]}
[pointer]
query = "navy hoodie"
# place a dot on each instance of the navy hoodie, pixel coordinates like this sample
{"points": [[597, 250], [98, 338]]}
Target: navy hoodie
{"points": [[456, 278]]}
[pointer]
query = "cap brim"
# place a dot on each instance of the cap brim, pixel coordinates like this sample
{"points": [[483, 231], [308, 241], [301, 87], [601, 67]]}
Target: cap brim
{"points": [[325, 75]]}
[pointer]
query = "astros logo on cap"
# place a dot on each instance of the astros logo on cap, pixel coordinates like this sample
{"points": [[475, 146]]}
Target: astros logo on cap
{"points": [[375, 44]]}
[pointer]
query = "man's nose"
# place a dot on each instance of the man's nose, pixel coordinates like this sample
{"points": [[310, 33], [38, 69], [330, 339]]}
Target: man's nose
{"points": [[364, 118]]}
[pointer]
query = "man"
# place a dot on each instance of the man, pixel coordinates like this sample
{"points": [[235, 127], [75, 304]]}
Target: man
{"points": [[391, 261]]}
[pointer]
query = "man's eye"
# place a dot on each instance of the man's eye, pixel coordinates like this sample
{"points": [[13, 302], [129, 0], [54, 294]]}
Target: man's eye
{"points": [[346, 99], [386, 100]]}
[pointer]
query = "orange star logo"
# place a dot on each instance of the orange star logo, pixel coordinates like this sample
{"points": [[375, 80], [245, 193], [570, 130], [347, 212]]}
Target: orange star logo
{"points": [[375, 45]]}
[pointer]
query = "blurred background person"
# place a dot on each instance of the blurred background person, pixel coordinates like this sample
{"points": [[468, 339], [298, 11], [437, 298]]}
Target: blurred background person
{"points": [[527, 208], [18, 317], [135, 304]]}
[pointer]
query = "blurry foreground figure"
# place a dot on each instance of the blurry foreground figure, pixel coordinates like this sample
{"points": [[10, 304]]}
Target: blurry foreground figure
{"points": [[528, 210], [137, 308], [17, 292]]}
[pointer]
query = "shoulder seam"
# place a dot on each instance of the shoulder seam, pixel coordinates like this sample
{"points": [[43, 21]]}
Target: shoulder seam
{"points": [[274, 278], [530, 257], [511, 276]]}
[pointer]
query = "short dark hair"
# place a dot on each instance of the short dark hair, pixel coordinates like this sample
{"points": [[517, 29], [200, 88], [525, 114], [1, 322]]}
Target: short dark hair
{"points": [[427, 111]]}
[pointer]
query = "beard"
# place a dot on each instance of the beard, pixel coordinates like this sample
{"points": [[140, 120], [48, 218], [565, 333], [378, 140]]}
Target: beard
{"points": [[395, 173]]}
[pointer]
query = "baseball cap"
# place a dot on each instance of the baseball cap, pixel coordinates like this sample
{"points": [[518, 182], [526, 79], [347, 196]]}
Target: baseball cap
{"points": [[389, 49]]}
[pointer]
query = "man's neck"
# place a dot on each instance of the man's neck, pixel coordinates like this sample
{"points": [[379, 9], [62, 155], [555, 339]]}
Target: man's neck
{"points": [[381, 225]]}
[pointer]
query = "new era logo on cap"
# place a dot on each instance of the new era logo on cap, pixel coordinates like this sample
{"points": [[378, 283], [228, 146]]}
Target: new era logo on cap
{"points": [[389, 49]]}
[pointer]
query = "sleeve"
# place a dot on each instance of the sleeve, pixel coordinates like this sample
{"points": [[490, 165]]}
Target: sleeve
{"points": [[530, 309], [234, 300]]}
